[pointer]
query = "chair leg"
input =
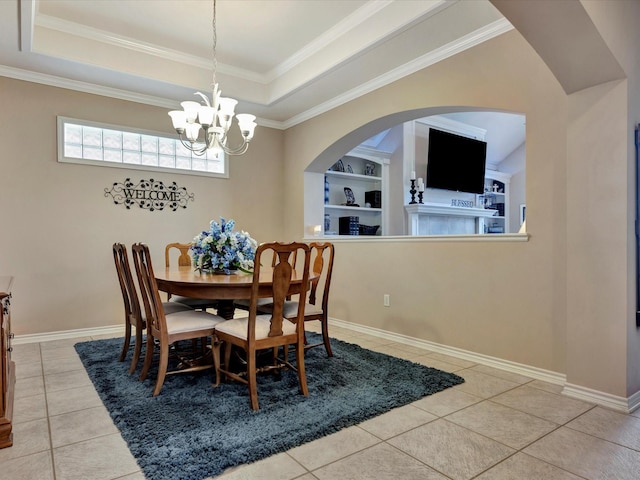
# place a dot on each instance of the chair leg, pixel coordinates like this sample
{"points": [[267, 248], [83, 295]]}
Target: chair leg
{"points": [[215, 351], [302, 376], [251, 379], [162, 368], [127, 340], [325, 336], [136, 351], [148, 357]]}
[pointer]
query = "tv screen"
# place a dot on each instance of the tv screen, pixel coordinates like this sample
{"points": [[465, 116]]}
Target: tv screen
{"points": [[455, 162]]}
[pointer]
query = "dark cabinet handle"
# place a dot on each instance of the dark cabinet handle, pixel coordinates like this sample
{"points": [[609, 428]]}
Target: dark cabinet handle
{"points": [[10, 349], [11, 335]]}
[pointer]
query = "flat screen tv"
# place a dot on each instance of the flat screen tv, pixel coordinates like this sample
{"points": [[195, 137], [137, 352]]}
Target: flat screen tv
{"points": [[455, 162]]}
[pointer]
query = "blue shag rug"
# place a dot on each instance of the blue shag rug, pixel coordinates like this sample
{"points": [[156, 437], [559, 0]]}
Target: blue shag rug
{"points": [[192, 431]]}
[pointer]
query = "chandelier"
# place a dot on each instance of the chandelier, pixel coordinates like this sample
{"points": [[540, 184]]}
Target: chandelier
{"points": [[213, 117]]}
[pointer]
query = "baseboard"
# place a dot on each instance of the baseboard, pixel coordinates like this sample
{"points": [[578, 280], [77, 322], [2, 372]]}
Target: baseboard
{"points": [[64, 334], [521, 369], [622, 404]]}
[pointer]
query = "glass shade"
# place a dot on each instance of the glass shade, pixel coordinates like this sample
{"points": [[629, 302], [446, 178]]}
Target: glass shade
{"points": [[227, 106], [206, 115], [192, 132], [191, 110]]}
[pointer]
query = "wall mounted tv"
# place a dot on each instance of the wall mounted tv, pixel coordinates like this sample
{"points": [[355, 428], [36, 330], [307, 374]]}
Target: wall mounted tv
{"points": [[455, 162]]}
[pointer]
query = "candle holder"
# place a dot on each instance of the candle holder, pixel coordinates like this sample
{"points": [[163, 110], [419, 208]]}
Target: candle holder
{"points": [[413, 191], [420, 196]]}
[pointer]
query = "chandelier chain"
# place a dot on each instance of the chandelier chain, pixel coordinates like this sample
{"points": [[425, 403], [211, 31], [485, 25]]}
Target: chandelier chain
{"points": [[214, 41]]}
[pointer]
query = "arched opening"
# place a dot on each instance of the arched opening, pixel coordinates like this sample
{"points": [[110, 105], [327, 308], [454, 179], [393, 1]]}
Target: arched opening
{"points": [[396, 148]]}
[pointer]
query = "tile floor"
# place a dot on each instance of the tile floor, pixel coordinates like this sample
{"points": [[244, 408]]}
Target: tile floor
{"points": [[497, 425]]}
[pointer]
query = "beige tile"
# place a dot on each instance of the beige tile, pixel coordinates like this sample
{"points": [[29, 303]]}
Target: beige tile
{"points": [[66, 380], [446, 402], [51, 354], [587, 456], [81, 425], [381, 462], [328, 449], [397, 421], [451, 359], [25, 353], [26, 387], [30, 408], [483, 385], [73, 399], [505, 375], [133, 476], [552, 407], [65, 342], [62, 364], [28, 370], [450, 449], [31, 467], [429, 361], [609, 425], [546, 386], [277, 467], [522, 466], [102, 458], [28, 438], [503, 424]]}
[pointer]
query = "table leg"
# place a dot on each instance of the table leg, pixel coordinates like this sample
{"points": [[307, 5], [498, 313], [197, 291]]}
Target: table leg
{"points": [[225, 309]]}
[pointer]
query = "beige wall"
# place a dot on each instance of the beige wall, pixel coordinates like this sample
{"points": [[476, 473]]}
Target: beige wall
{"points": [[58, 228], [501, 299]]}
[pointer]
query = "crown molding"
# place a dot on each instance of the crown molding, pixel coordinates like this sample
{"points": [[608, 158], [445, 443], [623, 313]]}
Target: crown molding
{"points": [[477, 37]]}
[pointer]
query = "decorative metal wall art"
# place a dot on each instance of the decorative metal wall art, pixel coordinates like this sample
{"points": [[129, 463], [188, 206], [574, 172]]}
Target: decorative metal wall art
{"points": [[149, 194]]}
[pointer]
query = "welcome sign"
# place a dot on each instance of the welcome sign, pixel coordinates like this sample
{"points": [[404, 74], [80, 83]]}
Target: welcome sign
{"points": [[149, 194]]}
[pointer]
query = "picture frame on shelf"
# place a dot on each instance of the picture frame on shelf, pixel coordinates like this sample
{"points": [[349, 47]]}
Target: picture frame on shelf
{"points": [[339, 166], [370, 169], [349, 169], [351, 198]]}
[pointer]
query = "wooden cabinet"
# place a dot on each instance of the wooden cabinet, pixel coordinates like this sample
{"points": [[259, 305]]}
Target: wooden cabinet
{"points": [[7, 366], [364, 172]]}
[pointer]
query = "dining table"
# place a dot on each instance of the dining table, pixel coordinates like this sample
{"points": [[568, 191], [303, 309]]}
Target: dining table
{"points": [[225, 288]]}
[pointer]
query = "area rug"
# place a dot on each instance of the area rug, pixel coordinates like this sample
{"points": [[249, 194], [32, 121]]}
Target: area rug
{"points": [[192, 431]]}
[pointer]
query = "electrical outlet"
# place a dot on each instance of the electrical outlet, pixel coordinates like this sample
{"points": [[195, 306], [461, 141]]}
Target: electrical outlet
{"points": [[386, 300]]}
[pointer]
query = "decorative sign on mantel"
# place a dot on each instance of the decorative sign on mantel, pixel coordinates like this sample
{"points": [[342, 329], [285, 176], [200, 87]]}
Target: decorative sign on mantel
{"points": [[462, 203], [149, 194]]}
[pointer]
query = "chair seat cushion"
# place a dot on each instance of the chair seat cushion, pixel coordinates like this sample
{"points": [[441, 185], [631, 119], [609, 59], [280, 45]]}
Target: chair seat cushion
{"points": [[244, 302], [238, 327], [190, 320], [194, 302], [291, 309], [173, 307]]}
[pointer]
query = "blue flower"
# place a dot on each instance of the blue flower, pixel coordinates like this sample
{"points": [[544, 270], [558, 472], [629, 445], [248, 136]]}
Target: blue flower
{"points": [[222, 249]]}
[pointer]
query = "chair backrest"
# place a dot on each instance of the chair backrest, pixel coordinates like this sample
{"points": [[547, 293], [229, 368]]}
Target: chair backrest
{"points": [[285, 256], [149, 290], [184, 260], [127, 285], [322, 254]]}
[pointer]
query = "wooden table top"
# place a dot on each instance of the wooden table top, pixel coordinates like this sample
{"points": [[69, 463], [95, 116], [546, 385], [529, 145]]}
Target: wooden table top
{"points": [[189, 283]]}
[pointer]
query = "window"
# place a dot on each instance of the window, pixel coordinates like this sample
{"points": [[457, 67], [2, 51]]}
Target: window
{"points": [[91, 143]]}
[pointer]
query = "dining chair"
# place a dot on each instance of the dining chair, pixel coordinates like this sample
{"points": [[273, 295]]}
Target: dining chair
{"points": [[316, 305], [133, 316], [258, 332], [169, 329], [184, 260]]}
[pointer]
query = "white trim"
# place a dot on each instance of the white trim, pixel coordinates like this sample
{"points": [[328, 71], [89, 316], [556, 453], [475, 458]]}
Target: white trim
{"points": [[614, 402], [65, 334], [497, 237], [468, 41], [513, 367]]}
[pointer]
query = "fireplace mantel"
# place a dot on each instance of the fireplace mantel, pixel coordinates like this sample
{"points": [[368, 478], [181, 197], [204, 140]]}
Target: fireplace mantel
{"points": [[459, 219]]}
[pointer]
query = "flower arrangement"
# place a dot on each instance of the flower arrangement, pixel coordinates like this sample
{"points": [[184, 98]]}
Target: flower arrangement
{"points": [[223, 250]]}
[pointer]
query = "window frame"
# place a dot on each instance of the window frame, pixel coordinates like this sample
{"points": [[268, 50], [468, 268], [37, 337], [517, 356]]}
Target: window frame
{"points": [[60, 135]]}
